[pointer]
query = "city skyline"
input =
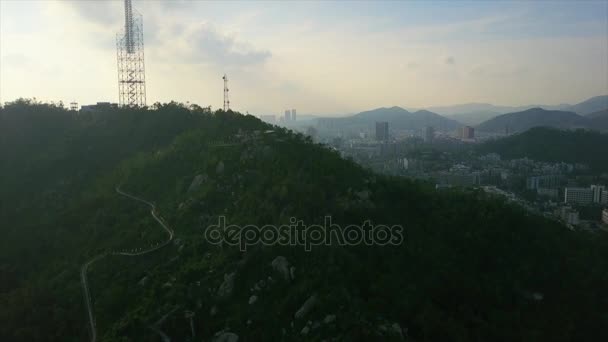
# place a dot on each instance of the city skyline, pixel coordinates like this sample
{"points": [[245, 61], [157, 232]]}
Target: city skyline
{"points": [[325, 58]]}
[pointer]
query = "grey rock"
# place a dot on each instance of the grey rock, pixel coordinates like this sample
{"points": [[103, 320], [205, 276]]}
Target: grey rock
{"points": [[196, 182], [329, 319], [281, 265], [363, 195], [227, 286], [220, 167], [253, 299], [225, 336], [306, 307]]}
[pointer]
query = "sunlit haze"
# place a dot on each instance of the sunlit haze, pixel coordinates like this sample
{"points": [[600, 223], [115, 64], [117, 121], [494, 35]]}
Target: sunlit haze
{"points": [[325, 58]]}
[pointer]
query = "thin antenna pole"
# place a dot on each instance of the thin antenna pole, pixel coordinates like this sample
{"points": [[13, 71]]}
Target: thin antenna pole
{"points": [[226, 99]]}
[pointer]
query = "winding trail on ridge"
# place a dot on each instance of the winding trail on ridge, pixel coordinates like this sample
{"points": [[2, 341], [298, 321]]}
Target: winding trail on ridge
{"points": [[85, 266]]}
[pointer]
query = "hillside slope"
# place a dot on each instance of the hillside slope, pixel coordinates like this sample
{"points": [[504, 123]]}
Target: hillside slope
{"points": [[554, 145], [591, 105], [470, 266]]}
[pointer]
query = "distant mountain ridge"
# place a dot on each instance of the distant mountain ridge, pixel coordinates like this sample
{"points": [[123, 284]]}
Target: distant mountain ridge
{"points": [[476, 113], [534, 117], [397, 117]]}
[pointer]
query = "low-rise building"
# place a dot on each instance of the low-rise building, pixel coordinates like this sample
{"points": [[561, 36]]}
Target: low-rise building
{"points": [[569, 216], [98, 106], [547, 192], [581, 196]]}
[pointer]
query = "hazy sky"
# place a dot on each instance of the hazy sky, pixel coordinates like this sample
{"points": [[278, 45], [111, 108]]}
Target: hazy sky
{"points": [[318, 57]]}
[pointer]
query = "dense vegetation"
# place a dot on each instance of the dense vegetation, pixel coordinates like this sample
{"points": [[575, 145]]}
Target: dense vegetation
{"points": [[471, 267], [554, 145]]}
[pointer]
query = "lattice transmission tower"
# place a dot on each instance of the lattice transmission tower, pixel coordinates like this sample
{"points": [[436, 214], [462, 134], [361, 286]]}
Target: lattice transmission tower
{"points": [[130, 56], [226, 99]]}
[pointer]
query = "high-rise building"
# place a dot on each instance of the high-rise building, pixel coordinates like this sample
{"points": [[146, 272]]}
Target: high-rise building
{"points": [[605, 216], [287, 115], [293, 115], [598, 190], [382, 131], [467, 132], [604, 199], [429, 134]]}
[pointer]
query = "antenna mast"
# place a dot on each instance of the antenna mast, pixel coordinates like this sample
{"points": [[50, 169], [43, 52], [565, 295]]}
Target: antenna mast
{"points": [[130, 57], [226, 100]]}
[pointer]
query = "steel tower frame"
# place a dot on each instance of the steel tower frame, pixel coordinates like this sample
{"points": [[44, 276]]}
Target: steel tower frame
{"points": [[130, 60]]}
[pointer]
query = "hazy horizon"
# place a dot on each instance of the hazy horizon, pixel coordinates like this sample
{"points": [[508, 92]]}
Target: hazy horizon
{"points": [[320, 58]]}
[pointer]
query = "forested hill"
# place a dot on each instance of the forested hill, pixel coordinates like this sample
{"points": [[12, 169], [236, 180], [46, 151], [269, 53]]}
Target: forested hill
{"points": [[534, 117], [554, 145], [470, 267]]}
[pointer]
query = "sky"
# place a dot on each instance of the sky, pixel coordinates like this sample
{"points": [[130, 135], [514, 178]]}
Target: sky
{"points": [[324, 58]]}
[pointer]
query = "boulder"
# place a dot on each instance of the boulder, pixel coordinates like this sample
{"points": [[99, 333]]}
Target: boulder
{"points": [[196, 182], [329, 319], [281, 265], [227, 286], [306, 307], [225, 336], [220, 167]]}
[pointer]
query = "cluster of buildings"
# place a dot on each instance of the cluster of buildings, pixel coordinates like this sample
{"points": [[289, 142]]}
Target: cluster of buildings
{"points": [[290, 115], [556, 190]]}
